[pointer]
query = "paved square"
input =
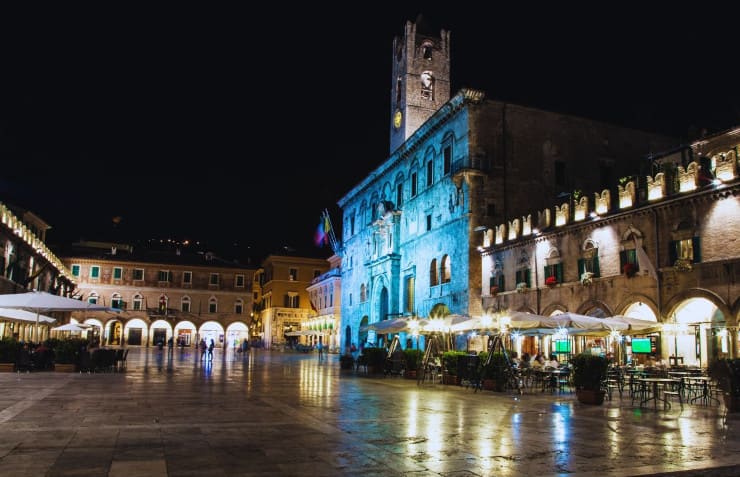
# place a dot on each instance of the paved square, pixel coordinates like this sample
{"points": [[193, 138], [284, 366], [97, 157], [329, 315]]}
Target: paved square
{"points": [[286, 414]]}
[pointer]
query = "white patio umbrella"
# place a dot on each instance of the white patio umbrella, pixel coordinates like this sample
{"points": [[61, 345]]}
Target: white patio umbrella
{"points": [[23, 315], [635, 325], [42, 302], [75, 327]]}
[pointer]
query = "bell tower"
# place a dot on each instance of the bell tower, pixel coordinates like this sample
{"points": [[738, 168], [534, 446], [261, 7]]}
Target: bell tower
{"points": [[420, 83]]}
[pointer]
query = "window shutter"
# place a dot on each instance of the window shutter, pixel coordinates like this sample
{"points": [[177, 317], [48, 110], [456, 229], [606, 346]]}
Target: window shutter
{"points": [[518, 278], [559, 272], [491, 282], [528, 278], [672, 252], [548, 271], [622, 260], [500, 282], [632, 258], [696, 245], [596, 271], [581, 266]]}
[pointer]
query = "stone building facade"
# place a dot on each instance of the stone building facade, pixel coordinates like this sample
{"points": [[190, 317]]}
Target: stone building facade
{"points": [[162, 294], [26, 264], [282, 300], [325, 292], [667, 251], [409, 240]]}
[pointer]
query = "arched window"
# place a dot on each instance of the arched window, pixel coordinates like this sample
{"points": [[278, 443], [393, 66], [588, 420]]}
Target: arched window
{"points": [[433, 273], [185, 304], [93, 298], [553, 268], [138, 302], [446, 269], [589, 261], [427, 85], [116, 302], [523, 272], [427, 51], [212, 305]]}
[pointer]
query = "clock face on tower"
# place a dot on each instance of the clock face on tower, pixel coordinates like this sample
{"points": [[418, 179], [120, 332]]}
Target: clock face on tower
{"points": [[397, 117]]}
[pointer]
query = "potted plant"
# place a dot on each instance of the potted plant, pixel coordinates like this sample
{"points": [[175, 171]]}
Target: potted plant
{"points": [[521, 287], [413, 361], [346, 361], [629, 269], [66, 354], [449, 366], [375, 359], [551, 281], [493, 374], [587, 278], [682, 265], [9, 348], [726, 372], [589, 371], [494, 290]]}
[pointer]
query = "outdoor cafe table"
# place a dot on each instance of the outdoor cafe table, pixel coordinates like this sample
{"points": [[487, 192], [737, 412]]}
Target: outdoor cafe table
{"points": [[655, 397], [703, 382]]}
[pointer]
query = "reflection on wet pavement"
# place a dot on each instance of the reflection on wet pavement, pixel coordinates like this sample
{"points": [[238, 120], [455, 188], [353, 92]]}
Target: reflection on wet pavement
{"points": [[272, 413]]}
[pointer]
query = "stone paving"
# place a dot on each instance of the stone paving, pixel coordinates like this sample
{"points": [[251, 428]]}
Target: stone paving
{"points": [[276, 413]]}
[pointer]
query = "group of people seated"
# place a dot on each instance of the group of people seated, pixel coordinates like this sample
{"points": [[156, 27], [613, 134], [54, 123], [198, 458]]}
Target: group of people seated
{"points": [[32, 356], [536, 361]]}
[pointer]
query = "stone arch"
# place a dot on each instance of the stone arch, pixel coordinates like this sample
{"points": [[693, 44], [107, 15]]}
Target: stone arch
{"points": [[553, 308], [588, 307], [677, 300], [376, 306], [622, 307], [589, 244]]}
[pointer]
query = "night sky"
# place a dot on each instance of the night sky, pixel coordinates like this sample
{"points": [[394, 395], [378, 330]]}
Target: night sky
{"points": [[237, 128]]}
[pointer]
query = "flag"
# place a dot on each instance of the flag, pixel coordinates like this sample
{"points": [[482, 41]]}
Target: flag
{"points": [[643, 261], [321, 237]]}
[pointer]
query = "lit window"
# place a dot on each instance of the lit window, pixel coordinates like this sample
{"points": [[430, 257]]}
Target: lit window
{"points": [[95, 271], [75, 270], [117, 273]]}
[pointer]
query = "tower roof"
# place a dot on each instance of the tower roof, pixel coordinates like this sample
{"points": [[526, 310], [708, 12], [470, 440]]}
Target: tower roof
{"points": [[425, 27]]}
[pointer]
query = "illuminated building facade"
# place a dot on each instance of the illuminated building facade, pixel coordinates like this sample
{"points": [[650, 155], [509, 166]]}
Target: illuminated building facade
{"points": [[325, 293], [457, 164], [168, 293], [27, 264], [282, 302], [666, 251]]}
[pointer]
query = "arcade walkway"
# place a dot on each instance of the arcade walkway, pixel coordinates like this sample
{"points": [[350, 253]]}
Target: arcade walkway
{"points": [[286, 414]]}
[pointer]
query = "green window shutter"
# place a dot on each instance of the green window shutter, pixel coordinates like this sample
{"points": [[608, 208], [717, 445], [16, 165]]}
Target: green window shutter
{"points": [[632, 258], [548, 270], [491, 282], [528, 278], [519, 276], [696, 245], [581, 266], [622, 260], [501, 282], [559, 272], [672, 252], [596, 271]]}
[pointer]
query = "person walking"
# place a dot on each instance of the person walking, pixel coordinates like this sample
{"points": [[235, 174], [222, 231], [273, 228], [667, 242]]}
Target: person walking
{"points": [[210, 350], [320, 347], [202, 348]]}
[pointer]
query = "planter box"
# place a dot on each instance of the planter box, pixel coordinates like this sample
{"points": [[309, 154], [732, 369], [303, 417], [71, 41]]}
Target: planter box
{"points": [[64, 368], [589, 396], [450, 379], [7, 367]]}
